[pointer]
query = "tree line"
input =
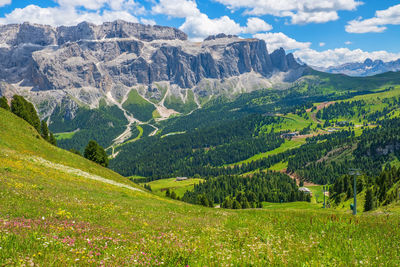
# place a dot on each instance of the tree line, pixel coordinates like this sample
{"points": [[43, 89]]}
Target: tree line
{"points": [[26, 111], [238, 192], [380, 190]]}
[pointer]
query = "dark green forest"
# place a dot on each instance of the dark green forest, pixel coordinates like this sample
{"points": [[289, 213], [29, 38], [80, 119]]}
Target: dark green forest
{"points": [[240, 192]]}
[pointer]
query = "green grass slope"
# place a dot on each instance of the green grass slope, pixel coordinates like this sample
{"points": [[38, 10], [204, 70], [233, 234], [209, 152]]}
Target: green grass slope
{"points": [[138, 106], [159, 187], [344, 82], [51, 213]]}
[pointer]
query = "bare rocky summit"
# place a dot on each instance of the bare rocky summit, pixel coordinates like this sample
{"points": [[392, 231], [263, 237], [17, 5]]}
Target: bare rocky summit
{"points": [[87, 63]]}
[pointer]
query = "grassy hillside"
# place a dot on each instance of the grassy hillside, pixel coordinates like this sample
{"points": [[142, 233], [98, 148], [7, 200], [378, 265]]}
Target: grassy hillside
{"points": [[138, 106], [344, 82], [176, 103], [179, 187], [53, 214]]}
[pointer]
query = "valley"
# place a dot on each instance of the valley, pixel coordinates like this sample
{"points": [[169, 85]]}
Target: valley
{"points": [[125, 144], [52, 215]]}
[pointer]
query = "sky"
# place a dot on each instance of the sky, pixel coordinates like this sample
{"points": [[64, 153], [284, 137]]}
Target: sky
{"points": [[319, 32]]}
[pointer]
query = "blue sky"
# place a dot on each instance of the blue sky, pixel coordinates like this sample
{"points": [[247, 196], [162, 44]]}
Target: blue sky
{"points": [[319, 32]]}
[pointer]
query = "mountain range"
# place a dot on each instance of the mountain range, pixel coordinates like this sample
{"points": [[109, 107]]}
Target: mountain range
{"points": [[80, 65], [367, 68]]}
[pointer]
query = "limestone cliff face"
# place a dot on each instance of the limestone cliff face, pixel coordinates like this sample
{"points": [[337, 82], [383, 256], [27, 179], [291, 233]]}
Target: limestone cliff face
{"points": [[88, 61]]}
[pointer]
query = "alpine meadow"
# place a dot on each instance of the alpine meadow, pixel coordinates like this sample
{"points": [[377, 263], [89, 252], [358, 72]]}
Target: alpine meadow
{"points": [[197, 133]]}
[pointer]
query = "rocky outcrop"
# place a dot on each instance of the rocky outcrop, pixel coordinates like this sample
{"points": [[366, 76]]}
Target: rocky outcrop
{"points": [[88, 61]]}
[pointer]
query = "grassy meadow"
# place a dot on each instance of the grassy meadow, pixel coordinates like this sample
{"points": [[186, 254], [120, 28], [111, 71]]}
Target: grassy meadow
{"points": [[179, 187], [54, 213]]}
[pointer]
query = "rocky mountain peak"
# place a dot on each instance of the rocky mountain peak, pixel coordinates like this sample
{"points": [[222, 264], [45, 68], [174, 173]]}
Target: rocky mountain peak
{"points": [[45, 35], [282, 61], [366, 68], [220, 36], [88, 62]]}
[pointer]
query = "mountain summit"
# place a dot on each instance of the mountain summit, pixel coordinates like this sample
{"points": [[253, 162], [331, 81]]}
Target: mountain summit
{"points": [[367, 68], [80, 65]]}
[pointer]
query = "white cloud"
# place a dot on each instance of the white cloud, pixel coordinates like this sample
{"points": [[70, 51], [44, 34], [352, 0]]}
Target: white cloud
{"points": [[300, 11], [390, 16], [255, 25], [278, 40], [347, 43], [201, 26], [338, 56], [148, 21], [313, 17], [176, 8], [4, 2], [70, 12], [329, 57]]}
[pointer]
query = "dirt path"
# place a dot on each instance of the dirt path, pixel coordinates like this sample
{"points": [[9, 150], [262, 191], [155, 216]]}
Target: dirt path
{"points": [[80, 173], [155, 130], [297, 178], [319, 107], [132, 122]]}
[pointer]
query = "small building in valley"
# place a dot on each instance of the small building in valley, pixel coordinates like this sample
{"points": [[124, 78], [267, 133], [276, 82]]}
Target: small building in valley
{"points": [[178, 179], [290, 135], [305, 190]]}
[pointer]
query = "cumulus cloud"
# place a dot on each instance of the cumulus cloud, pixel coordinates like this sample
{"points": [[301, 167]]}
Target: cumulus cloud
{"points": [[201, 26], [148, 21], [313, 17], [390, 16], [329, 57], [4, 2], [72, 12], [277, 40], [257, 25], [176, 8], [300, 11], [338, 56]]}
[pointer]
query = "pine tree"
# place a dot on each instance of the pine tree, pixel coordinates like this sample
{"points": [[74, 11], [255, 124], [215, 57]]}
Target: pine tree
{"points": [[227, 204], [53, 140], [25, 110], [173, 195], [44, 131], [4, 103], [168, 193], [210, 204], [96, 153], [202, 200], [368, 205], [236, 205]]}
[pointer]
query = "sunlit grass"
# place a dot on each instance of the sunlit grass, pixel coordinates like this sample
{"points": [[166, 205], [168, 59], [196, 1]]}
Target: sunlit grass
{"points": [[288, 144], [50, 217], [179, 187]]}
